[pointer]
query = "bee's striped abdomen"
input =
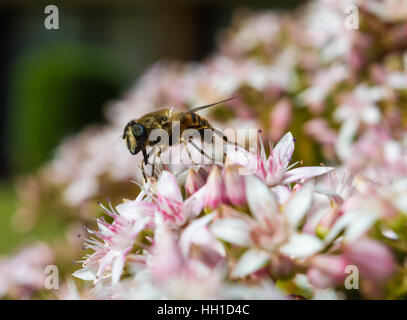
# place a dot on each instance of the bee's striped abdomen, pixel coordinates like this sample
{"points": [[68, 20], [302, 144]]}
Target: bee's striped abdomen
{"points": [[194, 121]]}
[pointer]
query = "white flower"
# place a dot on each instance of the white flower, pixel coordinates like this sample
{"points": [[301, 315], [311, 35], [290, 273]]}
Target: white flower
{"points": [[272, 230]]}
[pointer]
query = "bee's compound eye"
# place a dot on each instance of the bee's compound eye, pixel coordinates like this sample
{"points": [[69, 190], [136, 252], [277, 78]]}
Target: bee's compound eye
{"points": [[138, 129]]}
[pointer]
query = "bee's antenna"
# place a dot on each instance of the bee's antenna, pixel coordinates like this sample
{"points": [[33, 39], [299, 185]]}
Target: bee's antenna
{"points": [[212, 104]]}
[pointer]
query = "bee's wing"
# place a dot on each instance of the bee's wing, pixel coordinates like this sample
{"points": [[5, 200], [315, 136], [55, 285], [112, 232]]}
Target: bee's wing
{"points": [[209, 105]]}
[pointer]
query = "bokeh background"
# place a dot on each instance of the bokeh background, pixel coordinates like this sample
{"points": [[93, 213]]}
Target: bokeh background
{"points": [[55, 82], [302, 73]]}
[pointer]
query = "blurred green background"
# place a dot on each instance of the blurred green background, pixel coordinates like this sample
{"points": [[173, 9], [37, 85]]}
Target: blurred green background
{"points": [[55, 82]]}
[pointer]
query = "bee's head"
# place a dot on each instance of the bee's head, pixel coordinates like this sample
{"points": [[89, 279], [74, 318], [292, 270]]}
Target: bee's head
{"points": [[136, 136]]}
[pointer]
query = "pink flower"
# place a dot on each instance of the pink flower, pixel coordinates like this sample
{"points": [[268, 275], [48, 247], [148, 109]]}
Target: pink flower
{"points": [[235, 186], [280, 118], [374, 260], [327, 270], [179, 276], [166, 260], [271, 231], [327, 221], [361, 105], [322, 83], [275, 169], [113, 243], [170, 202], [194, 182], [369, 203], [197, 234], [215, 193]]}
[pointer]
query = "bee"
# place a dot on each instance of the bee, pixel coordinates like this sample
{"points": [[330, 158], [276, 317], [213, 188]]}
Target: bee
{"points": [[136, 132]]}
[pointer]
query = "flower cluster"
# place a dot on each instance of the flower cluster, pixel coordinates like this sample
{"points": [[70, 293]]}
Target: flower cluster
{"points": [[218, 234], [210, 232], [212, 227]]}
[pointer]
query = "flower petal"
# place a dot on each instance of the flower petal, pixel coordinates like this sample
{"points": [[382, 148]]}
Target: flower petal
{"points": [[193, 182], [282, 193], [167, 186], [304, 173], [232, 230], [215, 194], [190, 232], [166, 260], [117, 267], [302, 246], [133, 209], [285, 149], [355, 222], [84, 274], [251, 261], [261, 201], [193, 206], [299, 204], [234, 183], [249, 162], [206, 239]]}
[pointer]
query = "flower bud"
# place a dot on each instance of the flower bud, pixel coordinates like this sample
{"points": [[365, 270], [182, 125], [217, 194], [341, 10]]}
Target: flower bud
{"points": [[374, 260], [280, 118], [235, 186], [215, 193], [327, 271], [194, 182], [327, 221]]}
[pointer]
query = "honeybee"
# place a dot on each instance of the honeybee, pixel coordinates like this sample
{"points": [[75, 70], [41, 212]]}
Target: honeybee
{"points": [[136, 132]]}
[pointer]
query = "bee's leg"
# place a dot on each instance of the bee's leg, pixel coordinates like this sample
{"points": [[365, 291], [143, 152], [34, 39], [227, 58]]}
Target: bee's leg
{"points": [[158, 155], [150, 153], [143, 171], [234, 144], [188, 152], [225, 139], [145, 155], [164, 166], [201, 151], [153, 164], [210, 140], [145, 162]]}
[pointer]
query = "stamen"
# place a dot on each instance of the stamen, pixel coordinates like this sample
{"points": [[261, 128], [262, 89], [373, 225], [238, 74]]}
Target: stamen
{"points": [[293, 165], [111, 207], [262, 150], [107, 211]]}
